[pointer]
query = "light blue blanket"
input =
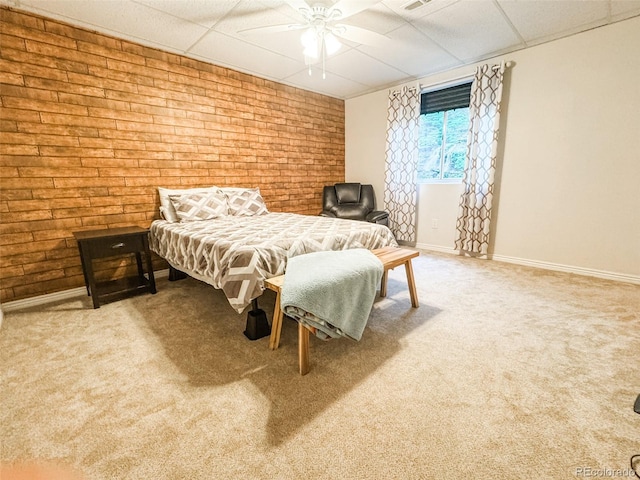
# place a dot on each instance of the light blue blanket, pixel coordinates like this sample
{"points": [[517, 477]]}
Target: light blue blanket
{"points": [[332, 291]]}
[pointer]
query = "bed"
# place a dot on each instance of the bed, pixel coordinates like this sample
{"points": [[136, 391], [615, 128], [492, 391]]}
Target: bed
{"points": [[237, 252]]}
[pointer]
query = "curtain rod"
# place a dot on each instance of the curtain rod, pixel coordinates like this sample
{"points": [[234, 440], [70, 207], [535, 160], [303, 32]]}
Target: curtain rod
{"points": [[462, 77], [405, 88]]}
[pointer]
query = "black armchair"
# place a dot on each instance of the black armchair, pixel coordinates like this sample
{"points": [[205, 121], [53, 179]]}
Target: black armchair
{"points": [[352, 201]]}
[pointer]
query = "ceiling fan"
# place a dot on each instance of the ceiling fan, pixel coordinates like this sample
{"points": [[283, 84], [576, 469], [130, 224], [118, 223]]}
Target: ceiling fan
{"points": [[322, 33]]}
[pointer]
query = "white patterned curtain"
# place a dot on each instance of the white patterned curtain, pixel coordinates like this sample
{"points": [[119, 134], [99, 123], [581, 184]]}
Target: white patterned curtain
{"points": [[474, 217], [401, 164]]}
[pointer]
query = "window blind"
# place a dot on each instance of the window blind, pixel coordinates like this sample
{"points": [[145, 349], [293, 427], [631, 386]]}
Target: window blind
{"points": [[445, 99]]}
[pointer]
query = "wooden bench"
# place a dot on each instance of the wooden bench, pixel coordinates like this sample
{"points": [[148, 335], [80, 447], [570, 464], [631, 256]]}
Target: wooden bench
{"points": [[390, 257]]}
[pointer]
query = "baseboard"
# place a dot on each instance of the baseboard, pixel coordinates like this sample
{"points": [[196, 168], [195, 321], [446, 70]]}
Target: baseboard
{"points": [[57, 296], [558, 267], [436, 248], [590, 272]]}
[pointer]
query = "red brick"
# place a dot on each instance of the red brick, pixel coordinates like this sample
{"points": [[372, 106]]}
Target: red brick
{"points": [[137, 69], [85, 182], [74, 99], [89, 211], [79, 34], [24, 69], [101, 82], [144, 127], [47, 38], [150, 54], [19, 55], [51, 265], [17, 18], [7, 261], [168, 147], [82, 152], [109, 51], [142, 99], [46, 84], [65, 54], [25, 139], [8, 78], [12, 238], [146, 159], [20, 115], [19, 150], [129, 135]]}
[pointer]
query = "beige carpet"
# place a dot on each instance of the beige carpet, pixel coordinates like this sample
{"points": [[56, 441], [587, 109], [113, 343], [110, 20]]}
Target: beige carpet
{"points": [[504, 372]]}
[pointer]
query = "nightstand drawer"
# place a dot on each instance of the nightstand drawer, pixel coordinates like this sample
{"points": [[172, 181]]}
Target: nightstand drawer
{"points": [[106, 247]]}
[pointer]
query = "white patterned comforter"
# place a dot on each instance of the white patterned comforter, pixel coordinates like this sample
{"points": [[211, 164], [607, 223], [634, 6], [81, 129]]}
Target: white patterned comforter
{"points": [[236, 254]]}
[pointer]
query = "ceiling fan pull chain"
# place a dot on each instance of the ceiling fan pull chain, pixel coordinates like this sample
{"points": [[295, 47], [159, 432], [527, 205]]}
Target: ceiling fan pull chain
{"points": [[324, 55]]}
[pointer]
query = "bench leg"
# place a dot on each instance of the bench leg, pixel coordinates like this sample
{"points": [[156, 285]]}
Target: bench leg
{"points": [[383, 283], [303, 349], [276, 325], [412, 284]]}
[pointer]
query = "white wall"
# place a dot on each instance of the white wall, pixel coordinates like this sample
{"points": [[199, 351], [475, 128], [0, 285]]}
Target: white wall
{"points": [[569, 192], [365, 138]]}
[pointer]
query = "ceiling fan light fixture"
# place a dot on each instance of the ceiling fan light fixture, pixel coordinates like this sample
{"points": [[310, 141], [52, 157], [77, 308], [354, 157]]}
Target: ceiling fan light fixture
{"points": [[309, 38], [331, 43], [311, 53]]}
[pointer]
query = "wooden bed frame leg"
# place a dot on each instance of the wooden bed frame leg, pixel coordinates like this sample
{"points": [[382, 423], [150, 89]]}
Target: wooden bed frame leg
{"points": [[303, 349]]}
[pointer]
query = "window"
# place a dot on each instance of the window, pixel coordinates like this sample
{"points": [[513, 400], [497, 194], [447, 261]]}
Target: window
{"points": [[443, 131]]}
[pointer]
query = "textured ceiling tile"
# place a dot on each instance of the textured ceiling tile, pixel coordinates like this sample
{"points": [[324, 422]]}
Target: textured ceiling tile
{"points": [[202, 12], [363, 69], [412, 52], [227, 51], [334, 85], [124, 18], [625, 9], [535, 19], [469, 29]]}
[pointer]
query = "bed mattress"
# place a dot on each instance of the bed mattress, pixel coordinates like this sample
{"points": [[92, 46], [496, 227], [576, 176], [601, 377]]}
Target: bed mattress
{"points": [[237, 253]]}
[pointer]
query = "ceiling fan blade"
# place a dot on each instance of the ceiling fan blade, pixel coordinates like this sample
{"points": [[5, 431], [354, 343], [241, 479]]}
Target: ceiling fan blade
{"points": [[273, 28], [360, 35], [298, 5], [351, 7]]}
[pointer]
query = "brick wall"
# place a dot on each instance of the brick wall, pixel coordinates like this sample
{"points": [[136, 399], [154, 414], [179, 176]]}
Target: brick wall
{"points": [[91, 125]]}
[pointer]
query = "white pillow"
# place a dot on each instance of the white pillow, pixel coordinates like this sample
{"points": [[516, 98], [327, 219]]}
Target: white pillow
{"points": [[245, 201], [200, 206], [166, 208]]}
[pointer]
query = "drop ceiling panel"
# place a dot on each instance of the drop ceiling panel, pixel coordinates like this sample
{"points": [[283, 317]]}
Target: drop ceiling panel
{"points": [[535, 19], [621, 9], [202, 12], [227, 51], [363, 69], [124, 18], [469, 29], [244, 17], [379, 18], [248, 15], [412, 52], [333, 85], [428, 8]]}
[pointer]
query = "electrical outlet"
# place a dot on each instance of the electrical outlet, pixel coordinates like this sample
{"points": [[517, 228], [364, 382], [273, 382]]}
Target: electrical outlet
{"points": [[434, 223]]}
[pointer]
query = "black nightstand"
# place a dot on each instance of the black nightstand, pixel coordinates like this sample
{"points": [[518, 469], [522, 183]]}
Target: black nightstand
{"points": [[94, 244]]}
